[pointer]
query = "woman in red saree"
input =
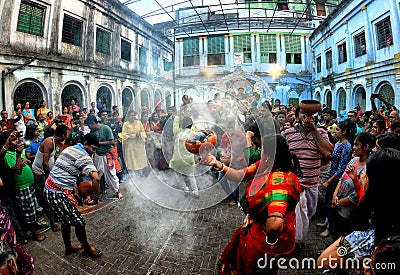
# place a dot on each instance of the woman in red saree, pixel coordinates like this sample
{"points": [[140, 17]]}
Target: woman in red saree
{"points": [[270, 200]]}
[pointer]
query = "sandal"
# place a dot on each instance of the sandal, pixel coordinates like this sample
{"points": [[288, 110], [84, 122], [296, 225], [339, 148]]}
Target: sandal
{"points": [[73, 249], [93, 252]]}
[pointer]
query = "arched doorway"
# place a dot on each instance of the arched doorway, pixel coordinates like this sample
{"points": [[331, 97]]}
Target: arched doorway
{"points": [[144, 98], [328, 99], [70, 92], [28, 91], [104, 93], [341, 99], [317, 96], [360, 97], [168, 100], [127, 100], [388, 92], [157, 98]]}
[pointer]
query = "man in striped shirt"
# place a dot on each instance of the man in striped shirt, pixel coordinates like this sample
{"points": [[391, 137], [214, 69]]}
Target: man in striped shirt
{"points": [[309, 144]]}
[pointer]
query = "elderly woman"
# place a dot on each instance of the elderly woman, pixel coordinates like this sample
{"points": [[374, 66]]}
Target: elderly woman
{"points": [[28, 118], [133, 140], [270, 201]]}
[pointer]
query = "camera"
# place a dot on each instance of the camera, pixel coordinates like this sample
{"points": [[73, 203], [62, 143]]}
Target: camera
{"points": [[26, 143], [19, 134]]}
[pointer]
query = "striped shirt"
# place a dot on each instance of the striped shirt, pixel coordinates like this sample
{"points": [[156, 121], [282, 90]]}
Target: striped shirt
{"points": [[306, 150], [72, 162]]}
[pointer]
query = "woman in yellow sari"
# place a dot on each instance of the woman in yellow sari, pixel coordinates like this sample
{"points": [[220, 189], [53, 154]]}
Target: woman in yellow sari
{"points": [[133, 141]]}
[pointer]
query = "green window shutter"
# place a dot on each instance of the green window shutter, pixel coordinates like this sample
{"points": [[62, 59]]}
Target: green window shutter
{"points": [[30, 19], [241, 43], [191, 47], [292, 44], [103, 41], [216, 44], [268, 43], [298, 6]]}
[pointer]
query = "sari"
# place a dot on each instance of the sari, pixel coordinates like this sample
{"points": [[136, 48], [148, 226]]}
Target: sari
{"points": [[267, 193]]}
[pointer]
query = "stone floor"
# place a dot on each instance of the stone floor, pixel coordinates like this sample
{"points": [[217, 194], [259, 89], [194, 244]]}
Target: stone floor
{"points": [[154, 230]]}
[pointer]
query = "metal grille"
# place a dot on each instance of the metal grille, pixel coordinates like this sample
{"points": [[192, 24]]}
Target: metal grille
{"points": [[191, 47], [359, 45], [28, 92], [216, 44], [144, 98], [71, 92], [328, 57], [103, 41], [342, 53], [30, 18], [388, 93], [384, 33], [72, 31], [127, 99], [104, 94], [125, 50], [342, 99]]}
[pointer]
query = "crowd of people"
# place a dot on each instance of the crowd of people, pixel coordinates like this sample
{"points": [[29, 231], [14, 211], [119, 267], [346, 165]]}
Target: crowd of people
{"points": [[284, 158]]}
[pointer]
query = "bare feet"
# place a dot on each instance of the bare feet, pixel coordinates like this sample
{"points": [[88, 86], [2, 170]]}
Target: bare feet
{"points": [[39, 237], [119, 195], [55, 227], [322, 224], [93, 252], [73, 249], [325, 234]]}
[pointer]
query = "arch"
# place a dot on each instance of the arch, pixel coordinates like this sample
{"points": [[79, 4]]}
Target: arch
{"points": [[69, 92], [359, 97], [386, 89], [317, 96], [341, 98], [144, 98], [157, 98], [104, 93], [328, 99], [29, 90], [128, 100], [168, 99]]}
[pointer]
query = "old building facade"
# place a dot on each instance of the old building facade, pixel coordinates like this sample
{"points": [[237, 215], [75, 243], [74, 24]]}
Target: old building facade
{"points": [[83, 50], [356, 53]]}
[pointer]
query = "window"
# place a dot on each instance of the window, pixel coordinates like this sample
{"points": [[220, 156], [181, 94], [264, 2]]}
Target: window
{"points": [[72, 31], [318, 64], [30, 18], [242, 44], [320, 7], [342, 54], [293, 49], [125, 50], [360, 45], [328, 58], [268, 48], [216, 50], [154, 60], [384, 33], [103, 41], [142, 58], [191, 52], [283, 5]]}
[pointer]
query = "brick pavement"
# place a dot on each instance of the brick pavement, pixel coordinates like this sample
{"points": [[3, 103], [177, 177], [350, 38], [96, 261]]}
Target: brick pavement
{"points": [[138, 236]]}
